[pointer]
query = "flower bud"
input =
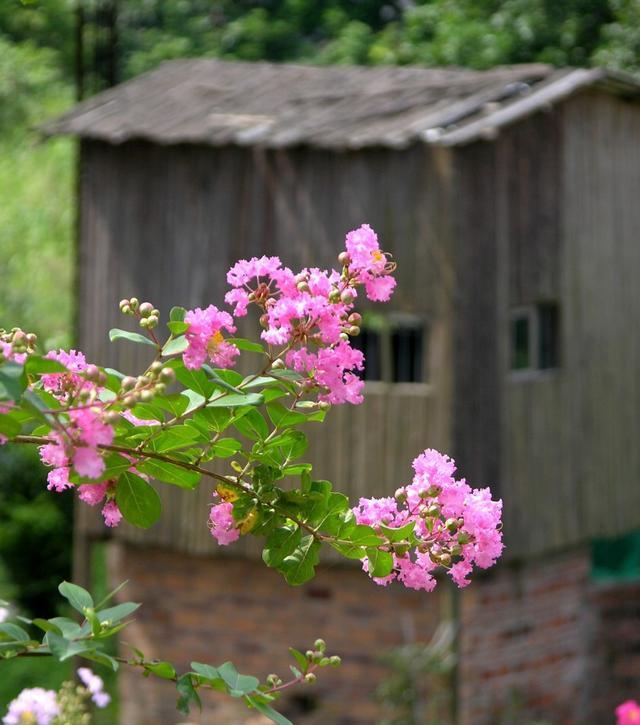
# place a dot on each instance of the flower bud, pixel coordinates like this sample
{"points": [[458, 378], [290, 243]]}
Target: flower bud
{"points": [[309, 654], [155, 367], [464, 538], [134, 302], [144, 323], [434, 491], [400, 495], [303, 287], [344, 337], [155, 312], [160, 387], [129, 401], [347, 296], [146, 396], [324, 405], [334, 296], [128, 383], [146, 308], [354, 318], [445, 559], [124, 303], [152, 321], [353, 331], [278, 364], [320, 645], [344, 259], [451, 525], [264, 321], [433, 510], [310, 678], [456, 550], [32, 339], [167, 375], [111, 417], [335, 661], [92, 372]]}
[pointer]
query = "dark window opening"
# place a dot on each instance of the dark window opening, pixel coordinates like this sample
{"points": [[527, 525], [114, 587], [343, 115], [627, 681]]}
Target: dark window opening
{"points": [[520, 347], [406, 351], [548, 336], [369, 342], [535, 337], [394, 350]]}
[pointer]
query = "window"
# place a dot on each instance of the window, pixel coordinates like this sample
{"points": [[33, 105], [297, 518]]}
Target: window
{"points": [[535, 337], [394, 348]]}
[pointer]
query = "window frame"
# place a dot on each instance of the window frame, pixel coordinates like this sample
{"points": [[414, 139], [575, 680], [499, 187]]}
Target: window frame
{"points": [[532, 313]]}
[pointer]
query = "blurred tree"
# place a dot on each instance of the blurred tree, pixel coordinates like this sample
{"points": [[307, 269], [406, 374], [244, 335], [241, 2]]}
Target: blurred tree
{"points": [[35, 530]]}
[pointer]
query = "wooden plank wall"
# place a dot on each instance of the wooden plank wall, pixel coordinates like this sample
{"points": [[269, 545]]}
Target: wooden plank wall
{"points": [[567, 224], [165, 223]]}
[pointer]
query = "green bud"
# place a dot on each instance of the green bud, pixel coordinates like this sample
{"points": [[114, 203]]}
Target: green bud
{"points": [[344, 259], [334, 296], [155, 312], [128, 382], [278, 364], [456, 550], [347, 296], [464, 538], [354, 318], [144, 323], [335, 661], [324, 662], [152, 321], [155, 367], [126, 310], [160, 387], [146, 308], [309, 654], [433, 510], [434, 491], [310, 678], [320, 645], [124, 303], [324, 405], [134, 303], [146, 396], [451, 525], [400, 495], [445, 559], [302, 287], [167, 375], [92, 372], [353, 331], [344, 336]]}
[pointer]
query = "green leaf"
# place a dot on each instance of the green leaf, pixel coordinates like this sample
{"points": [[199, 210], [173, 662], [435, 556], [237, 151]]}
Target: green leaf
{"points": [[380, 562], [281, 542], [118, 612], [226, 447], [299, 658], [284, 448], [299, 566], [9, 426], [67, 626], [281, 416], [13, 381], [170, 473], [137, 500], [238, 684], [63, 649], [247, 345], [195, 380], [177, 328], [36, 365], [206, 671], [236, 400], [359, 537], [117, 334], [297, 469], [268, 711], [177, 314], [188, 694], [46, 626], [397, 534], [252, 425], [164, 670], [175, 345], [78, 598], [101, 658], [13, 632], [177, 436], [176, 403]]}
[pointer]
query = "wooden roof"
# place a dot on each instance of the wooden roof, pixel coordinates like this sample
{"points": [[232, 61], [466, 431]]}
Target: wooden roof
{"points": [[217, 102]]}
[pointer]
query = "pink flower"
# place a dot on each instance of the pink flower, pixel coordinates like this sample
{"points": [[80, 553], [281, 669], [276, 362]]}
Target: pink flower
{"points": [[33, 705], [61, 383], [111, 513], [205, 338], [95, 686], [222, 525], [245, 271], [240, 299], [88, 462], [628, 713], [456, 526], [93, 493], [364, 251], [379, 289], [58, 479]]}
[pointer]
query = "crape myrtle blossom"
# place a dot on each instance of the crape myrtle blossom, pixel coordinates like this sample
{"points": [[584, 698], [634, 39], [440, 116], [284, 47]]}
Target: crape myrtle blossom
{"points": [[457, 527], [628, 713], [33, 705], [222, 524], [205, 338], [95, 686], [309, 315]]}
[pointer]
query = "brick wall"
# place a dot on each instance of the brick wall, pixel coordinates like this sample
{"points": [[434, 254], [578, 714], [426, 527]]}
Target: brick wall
{"points": [[211, 610], [539, 643]]}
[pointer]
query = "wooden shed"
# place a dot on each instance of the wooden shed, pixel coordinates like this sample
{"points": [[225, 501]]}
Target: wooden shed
{"points": [[509, 199]]}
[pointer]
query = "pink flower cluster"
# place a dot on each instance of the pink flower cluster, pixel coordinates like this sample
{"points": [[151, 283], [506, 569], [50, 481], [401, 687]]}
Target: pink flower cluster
{"points": [[33, 705], [206, 340], [7, 353], [309, 314], [222, 524], [63, 384], [628, 713], [95, 686], [457, 527]]}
